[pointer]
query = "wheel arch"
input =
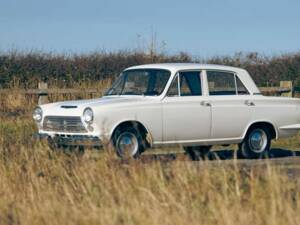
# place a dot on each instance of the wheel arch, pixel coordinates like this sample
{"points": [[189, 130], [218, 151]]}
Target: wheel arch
{"points": [[137, 125], [262, 123]]}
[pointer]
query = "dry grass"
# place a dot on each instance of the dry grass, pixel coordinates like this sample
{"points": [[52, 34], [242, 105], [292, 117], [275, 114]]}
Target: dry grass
{"points": [[16, 104], [41, 186]]}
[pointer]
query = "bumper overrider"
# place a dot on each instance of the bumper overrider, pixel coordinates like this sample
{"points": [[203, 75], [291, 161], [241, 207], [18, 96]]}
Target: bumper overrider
{"points": [[70, 140]]}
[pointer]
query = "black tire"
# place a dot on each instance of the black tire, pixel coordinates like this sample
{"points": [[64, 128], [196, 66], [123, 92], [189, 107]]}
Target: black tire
{"points": [[251, 151], [197, 153], [130, 132]]}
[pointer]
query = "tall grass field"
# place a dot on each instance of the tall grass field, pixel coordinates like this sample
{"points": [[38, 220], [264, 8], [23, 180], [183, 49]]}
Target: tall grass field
{"points": [[43, 186], [39, 185]]}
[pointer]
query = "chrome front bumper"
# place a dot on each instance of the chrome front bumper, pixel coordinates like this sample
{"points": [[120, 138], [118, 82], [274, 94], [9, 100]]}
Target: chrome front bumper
{"points": [[71, 140]]}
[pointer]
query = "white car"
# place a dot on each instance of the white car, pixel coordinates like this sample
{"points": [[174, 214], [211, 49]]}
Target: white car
{"points": [[192, 105]]}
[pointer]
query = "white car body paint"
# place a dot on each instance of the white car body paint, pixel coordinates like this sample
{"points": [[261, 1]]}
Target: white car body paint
{"points": [[185, 120]]}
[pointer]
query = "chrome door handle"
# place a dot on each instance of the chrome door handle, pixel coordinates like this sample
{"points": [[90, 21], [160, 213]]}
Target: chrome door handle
{"points": [[249, 103], [205, 103]]}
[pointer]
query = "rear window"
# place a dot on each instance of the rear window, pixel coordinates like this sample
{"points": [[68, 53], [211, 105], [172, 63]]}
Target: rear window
{"points": [[225, 83]]}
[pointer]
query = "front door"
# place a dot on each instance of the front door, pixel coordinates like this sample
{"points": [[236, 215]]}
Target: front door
{"points": [[186, 113]]}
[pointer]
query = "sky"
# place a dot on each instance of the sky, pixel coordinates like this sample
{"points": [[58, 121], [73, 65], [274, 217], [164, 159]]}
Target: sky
{"points": [[202, 28]]}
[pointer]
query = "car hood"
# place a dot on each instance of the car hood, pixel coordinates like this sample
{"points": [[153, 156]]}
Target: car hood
{"points": [[80, 105]]}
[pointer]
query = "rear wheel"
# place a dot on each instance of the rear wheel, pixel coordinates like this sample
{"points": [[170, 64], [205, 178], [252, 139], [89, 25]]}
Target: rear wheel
{"points": [[256, 143], [128, 143], [197, 152]]}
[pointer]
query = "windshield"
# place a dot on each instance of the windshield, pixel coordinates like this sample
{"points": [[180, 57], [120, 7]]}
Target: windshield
{"points": [[140, 82]]}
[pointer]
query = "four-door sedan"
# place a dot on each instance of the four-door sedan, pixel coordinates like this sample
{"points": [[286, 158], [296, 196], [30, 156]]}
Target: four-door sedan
{"points": [[192, 105]]}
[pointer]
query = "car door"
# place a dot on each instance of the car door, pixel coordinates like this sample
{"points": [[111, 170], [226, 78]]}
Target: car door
{"points": [[186, 116], [231, 105]]}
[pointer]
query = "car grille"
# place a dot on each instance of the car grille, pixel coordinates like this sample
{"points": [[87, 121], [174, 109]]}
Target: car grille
{"points": [[71, 124]]}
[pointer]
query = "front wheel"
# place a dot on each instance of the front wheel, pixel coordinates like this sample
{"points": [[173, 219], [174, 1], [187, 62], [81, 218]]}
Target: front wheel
{"points": [[128, 143], [256, 143]]}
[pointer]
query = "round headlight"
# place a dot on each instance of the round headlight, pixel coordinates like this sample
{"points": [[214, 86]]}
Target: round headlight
{"points": [[88, 115], [37, 114]]}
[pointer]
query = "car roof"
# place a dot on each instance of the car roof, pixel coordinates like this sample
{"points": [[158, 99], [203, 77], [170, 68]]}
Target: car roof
{"points": [[185, 66], [174, 67]]}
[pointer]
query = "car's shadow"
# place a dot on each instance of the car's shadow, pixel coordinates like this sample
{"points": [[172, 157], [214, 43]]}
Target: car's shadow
{"points": [[227, 154], [231, 154]]}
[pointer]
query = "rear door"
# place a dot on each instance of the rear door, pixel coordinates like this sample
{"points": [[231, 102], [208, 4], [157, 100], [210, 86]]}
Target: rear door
{"points": [[230, 104]]}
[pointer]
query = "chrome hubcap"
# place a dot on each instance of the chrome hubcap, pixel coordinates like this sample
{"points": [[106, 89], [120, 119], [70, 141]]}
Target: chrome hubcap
{"points": [[127, 144], [258, 140]]}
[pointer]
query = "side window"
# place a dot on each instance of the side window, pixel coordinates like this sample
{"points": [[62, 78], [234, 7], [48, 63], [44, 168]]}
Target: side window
{"points": [[225, 83], [221, 83], [189, 83]]}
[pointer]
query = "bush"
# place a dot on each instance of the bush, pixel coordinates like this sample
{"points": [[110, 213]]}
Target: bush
{"points": [[26, 69]]}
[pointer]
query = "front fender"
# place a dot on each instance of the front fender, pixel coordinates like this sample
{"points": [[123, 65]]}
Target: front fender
{"points": [[117, 124]]}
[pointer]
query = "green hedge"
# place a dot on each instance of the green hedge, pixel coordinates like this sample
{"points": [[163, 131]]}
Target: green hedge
{"points": [[26, 69]]}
